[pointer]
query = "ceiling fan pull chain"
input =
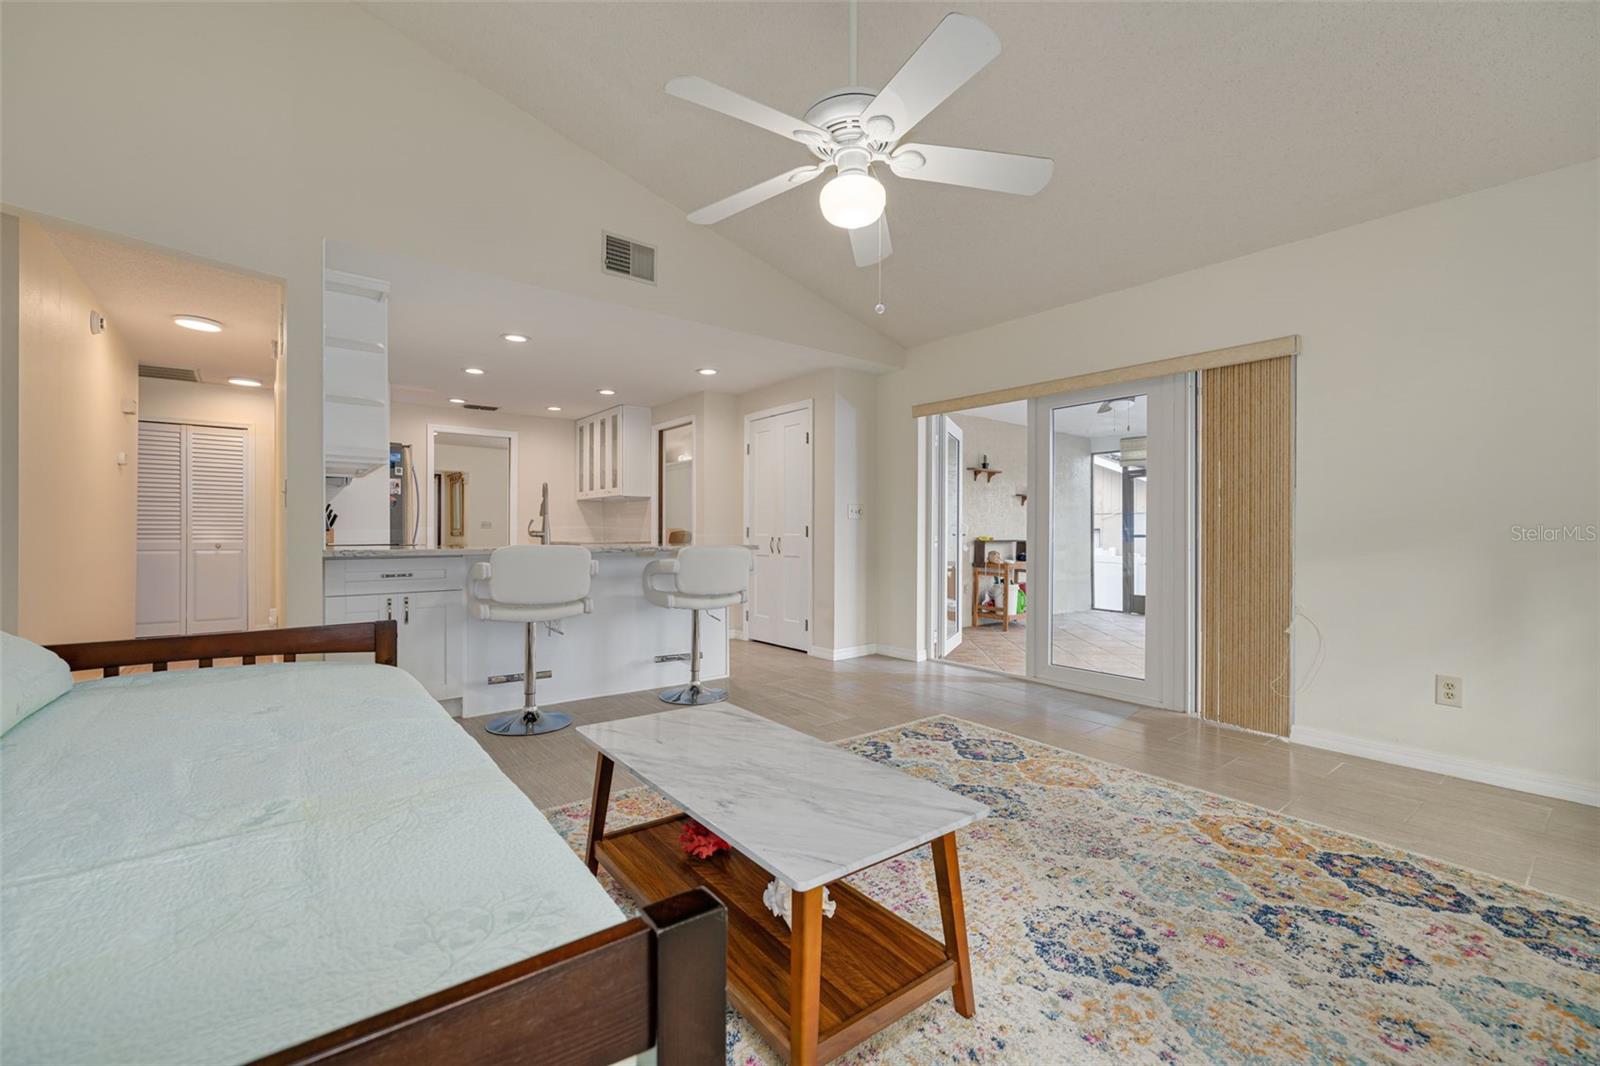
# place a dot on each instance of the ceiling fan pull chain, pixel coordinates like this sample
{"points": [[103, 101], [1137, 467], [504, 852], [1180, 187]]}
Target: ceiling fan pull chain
{"points": [[878, 307], [852, 42]]}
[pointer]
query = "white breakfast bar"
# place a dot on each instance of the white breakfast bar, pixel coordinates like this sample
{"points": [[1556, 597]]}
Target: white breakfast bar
{"points": [[455, 655]]}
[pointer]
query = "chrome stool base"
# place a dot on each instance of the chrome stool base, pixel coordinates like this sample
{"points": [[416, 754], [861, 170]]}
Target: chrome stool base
{"points": [[529, 723], [693, 695]]}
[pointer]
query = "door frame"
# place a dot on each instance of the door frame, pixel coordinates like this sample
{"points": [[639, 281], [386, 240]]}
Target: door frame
{"points": [[656, 429], [811, 503], [249, 504], [1169, 645], [433, 428], [939, 431]]}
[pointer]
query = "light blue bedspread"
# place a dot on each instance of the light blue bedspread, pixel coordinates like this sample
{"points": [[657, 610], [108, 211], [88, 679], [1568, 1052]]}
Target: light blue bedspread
{"points": [[208, 865]]}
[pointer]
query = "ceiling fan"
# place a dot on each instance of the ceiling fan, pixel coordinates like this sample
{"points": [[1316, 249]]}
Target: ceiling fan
{"points": [[853, 129]]}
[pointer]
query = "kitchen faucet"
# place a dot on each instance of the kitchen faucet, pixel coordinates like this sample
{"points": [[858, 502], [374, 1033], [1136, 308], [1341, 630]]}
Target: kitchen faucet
{"points": [[542, 534]]}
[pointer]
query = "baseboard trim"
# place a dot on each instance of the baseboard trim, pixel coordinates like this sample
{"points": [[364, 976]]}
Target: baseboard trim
{"points": [[1488, 773], [836, 654], [915, 655]]}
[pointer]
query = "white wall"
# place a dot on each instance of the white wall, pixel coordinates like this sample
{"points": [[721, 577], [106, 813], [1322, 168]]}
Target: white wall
{"points": [[229, 405], [76, 503], [306, 121], [1432, 339], [488, 472]]}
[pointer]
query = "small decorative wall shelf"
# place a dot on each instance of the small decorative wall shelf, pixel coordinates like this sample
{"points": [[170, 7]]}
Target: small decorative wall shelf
{"points": [[976, 470], [1023, 496]]}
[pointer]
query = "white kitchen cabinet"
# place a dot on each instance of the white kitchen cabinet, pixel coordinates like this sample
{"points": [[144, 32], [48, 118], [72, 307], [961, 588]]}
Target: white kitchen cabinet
{"points": [[615, 457], [424, 596], [355, 374]]}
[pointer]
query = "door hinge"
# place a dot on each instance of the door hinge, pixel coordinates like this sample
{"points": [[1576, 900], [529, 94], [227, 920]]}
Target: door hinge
{"points": [[808, 438], [747, 532], [747, 449], [808, 531], [808, 625]]}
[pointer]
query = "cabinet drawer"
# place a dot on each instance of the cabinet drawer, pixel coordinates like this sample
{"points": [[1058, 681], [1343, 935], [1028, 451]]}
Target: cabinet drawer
{"points": [[356, 577]]}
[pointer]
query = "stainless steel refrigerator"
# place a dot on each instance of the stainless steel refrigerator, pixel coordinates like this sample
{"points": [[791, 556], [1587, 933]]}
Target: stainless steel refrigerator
{"points": [[403, 496]]}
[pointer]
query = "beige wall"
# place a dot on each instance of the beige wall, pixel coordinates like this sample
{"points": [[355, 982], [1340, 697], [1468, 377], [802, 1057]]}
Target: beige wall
{"points": [[318, 121], [253, 409], [76, 501], [488, 471], [1428, 336]]}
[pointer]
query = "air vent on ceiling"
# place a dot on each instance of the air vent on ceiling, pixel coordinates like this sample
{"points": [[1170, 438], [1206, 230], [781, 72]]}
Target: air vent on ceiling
{"points": [[630, 259], [170, 373], [480, 407]]}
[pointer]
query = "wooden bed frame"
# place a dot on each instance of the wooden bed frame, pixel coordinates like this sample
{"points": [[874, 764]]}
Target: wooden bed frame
{"points": [[655, 981]]}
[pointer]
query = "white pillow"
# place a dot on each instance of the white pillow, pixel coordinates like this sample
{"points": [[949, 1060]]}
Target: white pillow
{"points": [[30, 677]]}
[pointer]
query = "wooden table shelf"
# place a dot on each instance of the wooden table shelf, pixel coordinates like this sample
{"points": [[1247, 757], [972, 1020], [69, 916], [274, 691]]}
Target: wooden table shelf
{"points": [[876, 966]]}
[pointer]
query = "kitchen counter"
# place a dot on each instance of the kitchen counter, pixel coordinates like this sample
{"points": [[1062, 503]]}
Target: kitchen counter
{"points": [[358, 551]]}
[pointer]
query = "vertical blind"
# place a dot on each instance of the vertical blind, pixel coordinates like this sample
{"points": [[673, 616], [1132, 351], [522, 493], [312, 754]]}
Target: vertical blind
{"points": [[1246, 487]]}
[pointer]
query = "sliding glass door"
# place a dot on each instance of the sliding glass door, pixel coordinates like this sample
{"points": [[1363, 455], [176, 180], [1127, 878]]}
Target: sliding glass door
{"points": [[1113, 533]]}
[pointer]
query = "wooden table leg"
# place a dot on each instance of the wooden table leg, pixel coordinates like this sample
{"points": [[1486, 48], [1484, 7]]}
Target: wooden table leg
{"points": [[947, 876], [597, 809], [805, 976]]}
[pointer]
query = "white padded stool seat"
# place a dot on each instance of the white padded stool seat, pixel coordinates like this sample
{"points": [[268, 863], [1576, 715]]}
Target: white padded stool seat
{"points": [[698, 579], [531, 583]]}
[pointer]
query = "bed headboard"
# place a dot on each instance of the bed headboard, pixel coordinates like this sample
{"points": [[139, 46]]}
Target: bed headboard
{"points": [[110, 656]]}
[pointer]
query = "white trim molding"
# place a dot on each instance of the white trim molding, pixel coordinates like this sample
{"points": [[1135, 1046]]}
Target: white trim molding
{"points": [[913, 655], [835, 654], [1534, 781]]}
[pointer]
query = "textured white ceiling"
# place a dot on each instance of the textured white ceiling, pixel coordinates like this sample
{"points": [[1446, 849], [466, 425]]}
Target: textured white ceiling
{"points": [[1184, 134], [140, 289]]}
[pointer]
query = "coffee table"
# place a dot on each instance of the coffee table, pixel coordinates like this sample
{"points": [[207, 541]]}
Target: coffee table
{"points": [[806, 813]]}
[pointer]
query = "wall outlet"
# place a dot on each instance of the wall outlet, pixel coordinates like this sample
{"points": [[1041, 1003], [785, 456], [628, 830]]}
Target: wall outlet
{"points": [[855, 511], [1446, 690]]}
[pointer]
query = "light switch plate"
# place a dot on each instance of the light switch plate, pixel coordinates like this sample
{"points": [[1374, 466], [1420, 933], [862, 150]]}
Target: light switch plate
{"points": [[855, 511]]}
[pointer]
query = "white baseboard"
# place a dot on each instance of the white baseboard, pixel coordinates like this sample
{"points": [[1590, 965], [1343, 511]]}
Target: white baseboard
{"points": [[1534, 781], [915, 655], [835, 654]]}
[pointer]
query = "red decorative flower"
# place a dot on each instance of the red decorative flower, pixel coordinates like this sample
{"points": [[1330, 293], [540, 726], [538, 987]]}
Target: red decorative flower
{"points": [[701, 842]]}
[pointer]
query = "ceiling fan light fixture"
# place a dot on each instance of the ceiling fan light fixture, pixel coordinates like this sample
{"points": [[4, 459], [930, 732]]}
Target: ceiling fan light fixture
{"points": [[852, 200]]}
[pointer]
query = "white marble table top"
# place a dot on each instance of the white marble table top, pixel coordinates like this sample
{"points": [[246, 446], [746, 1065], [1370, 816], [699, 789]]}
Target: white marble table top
{"points": [[805, 811]]}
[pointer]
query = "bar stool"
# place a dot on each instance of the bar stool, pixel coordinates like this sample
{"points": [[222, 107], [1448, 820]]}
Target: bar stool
{"points": [[532, 583], [697, 579]]}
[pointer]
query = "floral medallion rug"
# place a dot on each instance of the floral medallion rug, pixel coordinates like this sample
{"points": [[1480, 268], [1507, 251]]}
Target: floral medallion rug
{"points": [[1115, 917]]}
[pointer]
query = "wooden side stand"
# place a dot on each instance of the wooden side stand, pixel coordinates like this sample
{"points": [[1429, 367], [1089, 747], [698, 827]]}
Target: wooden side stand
{"points": [[1007, 572], [811, 1005]]}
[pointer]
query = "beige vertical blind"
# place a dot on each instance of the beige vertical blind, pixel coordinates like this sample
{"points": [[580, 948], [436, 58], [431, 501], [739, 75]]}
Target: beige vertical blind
{"points": [[1246, 489]]}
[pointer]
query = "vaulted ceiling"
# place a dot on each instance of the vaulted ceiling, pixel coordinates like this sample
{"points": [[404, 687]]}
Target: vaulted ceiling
{"points": [[1183, 134]]}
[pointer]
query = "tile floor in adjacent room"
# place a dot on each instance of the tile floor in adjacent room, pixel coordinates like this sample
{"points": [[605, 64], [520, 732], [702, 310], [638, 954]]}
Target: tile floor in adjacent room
{"points": [[1105, 641], [1548, 844]]}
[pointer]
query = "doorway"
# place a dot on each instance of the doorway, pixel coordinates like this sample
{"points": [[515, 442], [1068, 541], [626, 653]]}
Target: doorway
{"points": [[777, 519], [472, 480], [675, 484]]}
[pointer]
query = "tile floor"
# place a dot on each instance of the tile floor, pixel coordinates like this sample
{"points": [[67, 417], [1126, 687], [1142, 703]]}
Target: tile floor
{"points": [[1547, 843], [1104, 641]]}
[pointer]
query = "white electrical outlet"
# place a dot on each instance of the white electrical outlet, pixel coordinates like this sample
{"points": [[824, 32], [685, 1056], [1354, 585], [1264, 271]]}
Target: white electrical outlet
{"points": [[1446, 690]]}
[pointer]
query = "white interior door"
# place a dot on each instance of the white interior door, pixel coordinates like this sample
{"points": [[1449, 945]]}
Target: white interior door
{"points": [[778, 508], [159, 603], [215, 502], [952, 459]]}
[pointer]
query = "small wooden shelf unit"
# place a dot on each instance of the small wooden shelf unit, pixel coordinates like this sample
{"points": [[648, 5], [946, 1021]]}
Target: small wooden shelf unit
{"points": [[876, 966]]}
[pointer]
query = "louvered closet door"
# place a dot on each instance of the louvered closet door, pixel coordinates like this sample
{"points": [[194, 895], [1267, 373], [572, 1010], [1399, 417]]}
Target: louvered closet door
{"points": [[159, 604], [215, 574]]}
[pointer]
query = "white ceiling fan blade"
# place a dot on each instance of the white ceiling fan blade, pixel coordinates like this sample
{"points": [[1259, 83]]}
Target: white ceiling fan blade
{"points": [[865, 242], [711, 95], [755, 194], [958, 48], [1023, 175]]}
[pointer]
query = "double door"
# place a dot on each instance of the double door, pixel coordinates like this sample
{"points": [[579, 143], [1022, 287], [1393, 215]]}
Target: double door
{"points": [[192, 553], [778, 525]]}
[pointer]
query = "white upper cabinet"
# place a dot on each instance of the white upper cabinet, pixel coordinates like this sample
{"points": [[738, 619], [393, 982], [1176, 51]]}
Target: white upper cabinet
{"points": [[355, 374], [614, 454]]}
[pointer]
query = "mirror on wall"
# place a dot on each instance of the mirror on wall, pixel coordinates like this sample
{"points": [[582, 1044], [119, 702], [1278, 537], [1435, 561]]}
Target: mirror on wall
{"points": [[472, 501], [675, 516]]}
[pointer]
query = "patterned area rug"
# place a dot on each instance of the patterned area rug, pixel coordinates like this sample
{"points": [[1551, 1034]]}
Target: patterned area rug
{"points": [[1117, 917]]}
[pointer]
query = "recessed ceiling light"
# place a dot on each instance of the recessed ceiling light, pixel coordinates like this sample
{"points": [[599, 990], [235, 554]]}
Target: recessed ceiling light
{"points": [[707, 370], [473, 369], [607, 392], [249, 383], [553, 407], [195, 322], [515, 338], [457, 399]]}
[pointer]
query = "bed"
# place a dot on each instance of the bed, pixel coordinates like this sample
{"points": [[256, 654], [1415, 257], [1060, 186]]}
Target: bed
{"points": [[310, 861]]}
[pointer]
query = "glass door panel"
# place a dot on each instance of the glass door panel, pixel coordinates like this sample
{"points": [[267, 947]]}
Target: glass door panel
{"points": [[1097, 536], [951, 526]]}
